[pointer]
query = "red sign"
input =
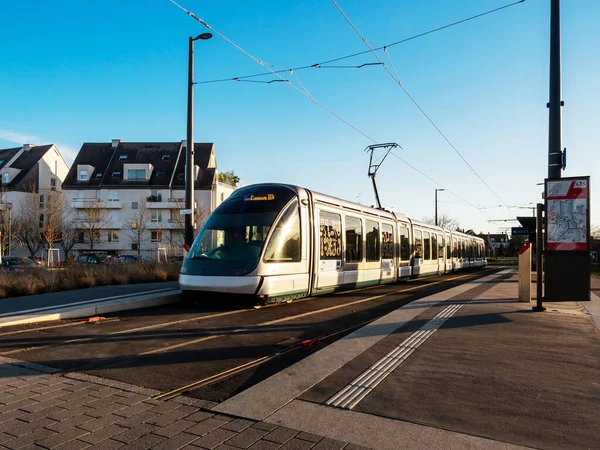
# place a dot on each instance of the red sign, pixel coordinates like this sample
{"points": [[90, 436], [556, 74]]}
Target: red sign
{"points": [[567, 213]]}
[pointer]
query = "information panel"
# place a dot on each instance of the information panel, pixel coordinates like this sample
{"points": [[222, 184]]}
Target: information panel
{"points": [[567, 213]]}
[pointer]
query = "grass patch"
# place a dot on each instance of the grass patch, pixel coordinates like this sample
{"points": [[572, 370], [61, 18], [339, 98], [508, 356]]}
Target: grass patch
{"points": [[39, 281]]}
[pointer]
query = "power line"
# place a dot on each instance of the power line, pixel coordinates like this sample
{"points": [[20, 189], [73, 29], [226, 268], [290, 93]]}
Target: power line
{"points": [[397, 80], [306, 94], [321, 65]]}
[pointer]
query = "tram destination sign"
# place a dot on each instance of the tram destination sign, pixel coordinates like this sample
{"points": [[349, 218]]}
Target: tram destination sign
{"points": [[519, 231], [567, 213]]}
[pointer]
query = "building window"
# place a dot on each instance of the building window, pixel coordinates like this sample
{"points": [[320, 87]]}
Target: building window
{"points": [[134, 205], [41, 201], [156, 215], [113, 196], [83, 175], [134, 246], [41, 224], [53, 184], [122, 157], [166, 157], [81, 237], [136, 174], [113, 235], [156, 236], [5, 178], [155, 196]]}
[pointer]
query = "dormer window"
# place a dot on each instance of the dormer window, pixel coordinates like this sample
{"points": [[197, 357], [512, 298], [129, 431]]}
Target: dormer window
{"points": [[136, 174], [122, 157], [83, 175], [160, 174], [99, 175], [116, 174], [166, 157]]}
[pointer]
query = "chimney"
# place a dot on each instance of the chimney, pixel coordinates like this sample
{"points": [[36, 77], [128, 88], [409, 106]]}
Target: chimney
{"points": [[115, 143], [28, 146]]}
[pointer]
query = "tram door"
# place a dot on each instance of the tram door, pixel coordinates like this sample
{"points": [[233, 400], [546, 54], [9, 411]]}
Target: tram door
{"points": [[329, 254], [448, 253]]}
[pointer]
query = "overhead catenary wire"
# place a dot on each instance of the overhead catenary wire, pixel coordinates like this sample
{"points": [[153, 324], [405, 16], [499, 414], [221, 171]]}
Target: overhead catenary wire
{"points": [[322, 65], [399, 83], [305, 92]]}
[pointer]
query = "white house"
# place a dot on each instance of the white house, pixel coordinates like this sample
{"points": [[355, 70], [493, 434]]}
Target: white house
{"points": [[126, 196], [23, 170]]}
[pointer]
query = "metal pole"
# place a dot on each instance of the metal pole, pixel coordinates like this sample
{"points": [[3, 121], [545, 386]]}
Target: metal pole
{"points": [[539, 243], [189, 152], [555, 104], [9, 229], [436, 218]]}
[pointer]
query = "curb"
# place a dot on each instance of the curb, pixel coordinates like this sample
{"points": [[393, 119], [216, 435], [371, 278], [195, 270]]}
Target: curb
{"points": [[101, 306]]}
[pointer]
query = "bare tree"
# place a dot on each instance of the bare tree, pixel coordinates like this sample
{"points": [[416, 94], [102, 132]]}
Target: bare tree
{"points": [[595, 231], [6, 223], [28, 223], [176, 237], [444, 221], [54, 205], [92, 218], [137, 224]]}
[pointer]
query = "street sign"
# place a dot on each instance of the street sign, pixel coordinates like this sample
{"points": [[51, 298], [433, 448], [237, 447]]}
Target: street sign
{"points": [[184, 212], [519, 231]]}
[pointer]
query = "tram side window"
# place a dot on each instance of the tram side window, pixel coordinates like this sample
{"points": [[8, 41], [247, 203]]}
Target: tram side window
{"points": [[373, 243], [353, 240], [284, 244], [387, 242], [427, 244], [440, 246], [331, 235], [455, 251], [418, 245], [404, 244], [434, 247], [448, 247]]}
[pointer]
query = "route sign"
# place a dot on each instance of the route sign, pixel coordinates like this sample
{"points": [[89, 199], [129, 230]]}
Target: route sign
{"points": [[567, 213], [519, 231]]}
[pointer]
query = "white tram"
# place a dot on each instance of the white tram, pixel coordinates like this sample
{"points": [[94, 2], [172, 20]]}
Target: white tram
{"points": [[277, 242]]}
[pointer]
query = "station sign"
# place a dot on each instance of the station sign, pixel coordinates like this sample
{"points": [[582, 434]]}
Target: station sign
{"points": [[519, 231], [567, 213]]}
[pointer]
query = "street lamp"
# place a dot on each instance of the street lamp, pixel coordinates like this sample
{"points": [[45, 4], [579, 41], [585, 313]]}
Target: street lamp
{"points": [[9, 206], [436, 201], [189, 151]]}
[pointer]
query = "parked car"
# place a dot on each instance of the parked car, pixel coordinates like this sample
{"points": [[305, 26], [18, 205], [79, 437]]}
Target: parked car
{"points": [[93, 259], [16, 263], [128, 259]]}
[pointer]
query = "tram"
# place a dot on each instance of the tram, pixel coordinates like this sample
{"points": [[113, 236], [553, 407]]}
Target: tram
{"points": [[278, 242]]}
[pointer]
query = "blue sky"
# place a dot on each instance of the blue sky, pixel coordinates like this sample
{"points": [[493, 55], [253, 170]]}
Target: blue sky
{"points": [[75, 72]]}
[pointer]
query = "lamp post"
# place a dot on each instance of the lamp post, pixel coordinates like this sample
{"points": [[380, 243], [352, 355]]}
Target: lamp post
{"points": [[436, 209], [189, 150], [9, 206]]}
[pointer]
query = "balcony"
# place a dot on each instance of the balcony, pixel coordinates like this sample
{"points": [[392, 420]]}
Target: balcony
{"points": [[85, 224], [81, 203], [170, 203], [168, 225]]}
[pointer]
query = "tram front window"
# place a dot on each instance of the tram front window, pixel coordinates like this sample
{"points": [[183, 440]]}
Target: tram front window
{"points": [[232, 240]]}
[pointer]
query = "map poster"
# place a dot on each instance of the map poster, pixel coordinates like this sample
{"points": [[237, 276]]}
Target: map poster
{"points": [[567, 213]]}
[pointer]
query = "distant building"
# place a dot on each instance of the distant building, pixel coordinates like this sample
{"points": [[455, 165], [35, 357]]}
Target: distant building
{"points": [[126, 197], [24, 170], [496, 244]]}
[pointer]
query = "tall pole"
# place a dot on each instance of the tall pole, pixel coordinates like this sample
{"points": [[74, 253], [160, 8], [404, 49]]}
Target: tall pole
{"points": [[539, 245], [555, 104], [189, 152], [436, 206]]}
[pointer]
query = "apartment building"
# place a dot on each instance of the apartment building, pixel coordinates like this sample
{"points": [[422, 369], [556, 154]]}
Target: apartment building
{"points": [[23, 170], [126, 197]]}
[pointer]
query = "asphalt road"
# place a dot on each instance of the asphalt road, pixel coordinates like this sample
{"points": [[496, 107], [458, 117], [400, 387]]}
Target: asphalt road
{"points": [[170, 347]]}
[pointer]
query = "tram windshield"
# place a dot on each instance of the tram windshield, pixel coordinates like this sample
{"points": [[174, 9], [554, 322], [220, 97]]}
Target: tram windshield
{"points": [[232, 240]]}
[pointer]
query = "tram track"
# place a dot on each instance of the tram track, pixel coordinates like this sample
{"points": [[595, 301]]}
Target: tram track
{"points": [[208, 336]]}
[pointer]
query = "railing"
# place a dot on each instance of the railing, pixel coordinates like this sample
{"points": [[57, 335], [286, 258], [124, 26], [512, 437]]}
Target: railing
{"points": [[154, 198], [85, 199]]}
